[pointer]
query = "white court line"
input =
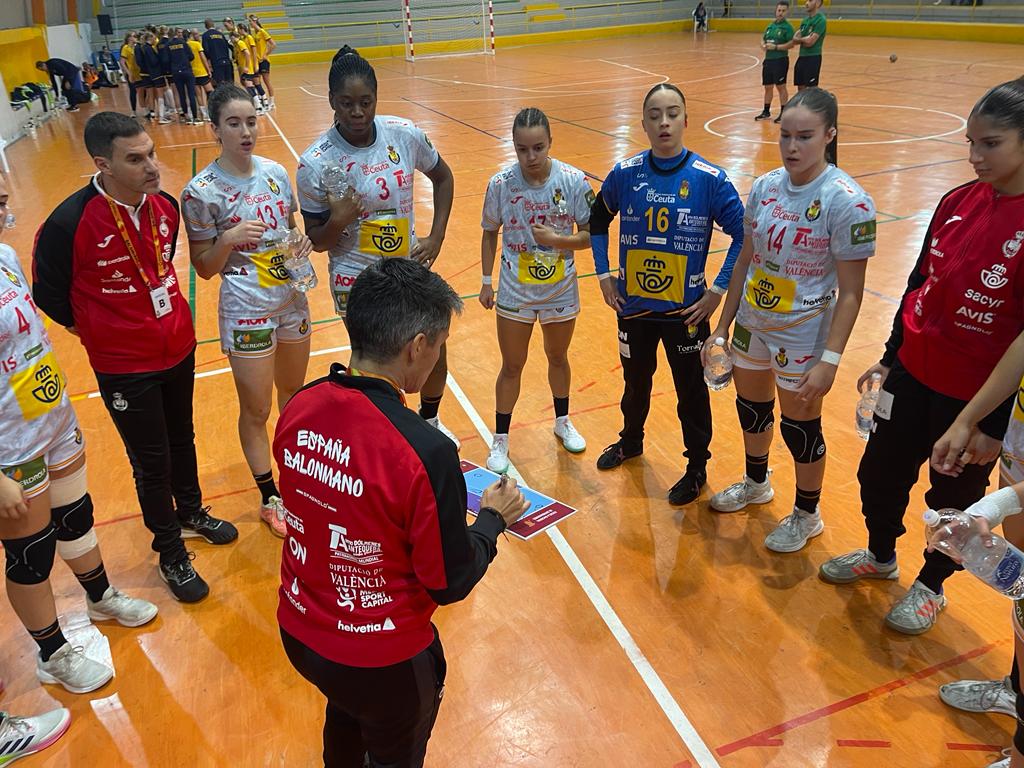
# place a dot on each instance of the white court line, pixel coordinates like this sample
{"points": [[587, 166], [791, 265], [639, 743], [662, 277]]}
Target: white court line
{"points": [[694, 743], [222, 371]]}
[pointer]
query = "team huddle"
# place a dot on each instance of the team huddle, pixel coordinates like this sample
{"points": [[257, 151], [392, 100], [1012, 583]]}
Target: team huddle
{"points": [[790, 289]]}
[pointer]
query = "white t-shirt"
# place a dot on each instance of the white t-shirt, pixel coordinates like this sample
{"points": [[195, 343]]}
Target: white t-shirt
{"points": [[254, 282], [382, 175], [34, 407], [798, 234], [531, 276]]}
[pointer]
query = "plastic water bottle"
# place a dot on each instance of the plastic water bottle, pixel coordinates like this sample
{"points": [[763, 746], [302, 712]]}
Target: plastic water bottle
{"points": [[301, 275], [956, 533], [718, 370], [335, 181], [560, 219], [866, 406], [9, 221]]}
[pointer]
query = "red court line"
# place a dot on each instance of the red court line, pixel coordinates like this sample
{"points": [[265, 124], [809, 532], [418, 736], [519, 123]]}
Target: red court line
{"points": [[863, 743], [764, 738], [974, 747], [586, 386], [684, 764]]}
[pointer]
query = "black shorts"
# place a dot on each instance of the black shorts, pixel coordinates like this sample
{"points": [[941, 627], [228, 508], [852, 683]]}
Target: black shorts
{"points": [[775, 71], [264, 67], [247, 78], [201, 81], [159, 81], [807, 70]]}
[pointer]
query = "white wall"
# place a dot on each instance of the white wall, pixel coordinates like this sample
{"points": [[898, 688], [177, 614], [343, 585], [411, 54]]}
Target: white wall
{"points": [[10, 121], [15, 13], [70, 42]]}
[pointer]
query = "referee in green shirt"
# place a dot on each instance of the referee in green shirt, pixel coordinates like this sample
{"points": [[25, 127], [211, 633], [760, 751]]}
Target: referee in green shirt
{"points": [[810, 38], [775, 67]]}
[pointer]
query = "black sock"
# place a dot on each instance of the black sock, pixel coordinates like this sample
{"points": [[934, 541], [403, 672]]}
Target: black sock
{"points": [[767, 108], [807, 501], [561, 407], [94, 582], [267, 486], [49, 640], [757, 468], [428, 407], [502, 421]]}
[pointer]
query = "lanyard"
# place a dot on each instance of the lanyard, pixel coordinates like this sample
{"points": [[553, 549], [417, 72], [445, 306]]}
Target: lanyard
{"points": [[352, 371], [161, 268]]}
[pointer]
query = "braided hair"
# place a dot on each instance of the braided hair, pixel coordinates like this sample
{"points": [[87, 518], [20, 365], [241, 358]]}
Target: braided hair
{"points": [[348, 63], [531, 117]]}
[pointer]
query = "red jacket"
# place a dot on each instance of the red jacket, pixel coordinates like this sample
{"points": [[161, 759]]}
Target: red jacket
{"points": [[84, 276], [964, 303], [377, 535]]}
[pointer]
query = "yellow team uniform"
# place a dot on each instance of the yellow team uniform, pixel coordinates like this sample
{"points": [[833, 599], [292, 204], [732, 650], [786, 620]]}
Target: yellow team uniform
{"points": [[128, 55], [262, 37], [198, 68], [244, 61]]}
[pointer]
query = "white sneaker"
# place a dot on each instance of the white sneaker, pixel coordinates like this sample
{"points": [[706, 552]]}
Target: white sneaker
{"points": [[70, 667], [917, 611], [165, 121], [128, 611], [738, 495], [1003, 763], [981, 696], [571, 439], [436, 424], [497, 459], [792, 533], [23, 736]]}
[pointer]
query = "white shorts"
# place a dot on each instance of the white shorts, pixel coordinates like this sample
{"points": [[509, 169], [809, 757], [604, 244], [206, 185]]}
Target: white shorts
{"points": [[341, 287], [790, 352], [259, 336], [530, 315], [34, 475]]}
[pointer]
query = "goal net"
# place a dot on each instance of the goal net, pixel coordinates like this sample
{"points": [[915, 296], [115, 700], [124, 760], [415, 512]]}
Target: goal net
{"points": [[435, 28]]}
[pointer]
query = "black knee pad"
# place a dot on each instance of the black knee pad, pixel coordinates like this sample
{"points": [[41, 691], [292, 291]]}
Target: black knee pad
{"points": [[30, 560], [804, 439], [755, 418], [73, 521]]}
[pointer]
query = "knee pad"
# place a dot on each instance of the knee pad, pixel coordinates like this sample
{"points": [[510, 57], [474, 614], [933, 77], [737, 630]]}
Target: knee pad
{"points": [[30, 560], [73, 521], [755, 418], [804, 439]]}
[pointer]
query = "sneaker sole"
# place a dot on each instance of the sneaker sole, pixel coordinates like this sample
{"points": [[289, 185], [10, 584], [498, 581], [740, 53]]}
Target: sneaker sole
{"points": [[881, 576], [272, 530], [744, 505], [99, 616], [785, 550], [570, 450], [1009, 712], [188, 534], [52, 738], [48, 679], [187, 602]]}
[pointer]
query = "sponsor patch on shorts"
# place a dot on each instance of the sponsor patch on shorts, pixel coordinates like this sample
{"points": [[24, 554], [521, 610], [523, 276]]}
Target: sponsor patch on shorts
{"points": [[29, 475], [258, 340]]}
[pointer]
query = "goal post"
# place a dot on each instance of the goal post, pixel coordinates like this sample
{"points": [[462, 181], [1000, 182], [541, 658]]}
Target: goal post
{"points": [[459, 28]]}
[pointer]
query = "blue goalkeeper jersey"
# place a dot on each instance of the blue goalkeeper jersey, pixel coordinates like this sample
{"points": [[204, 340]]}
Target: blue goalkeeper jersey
{"points": [[666, 214]]}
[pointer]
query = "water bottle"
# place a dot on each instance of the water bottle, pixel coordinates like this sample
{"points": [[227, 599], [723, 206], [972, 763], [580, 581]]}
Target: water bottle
{"points": [[560, 219], [9, 221], [866, 406], [718, 370], [956, 533], [335, 181], [301, 275]]}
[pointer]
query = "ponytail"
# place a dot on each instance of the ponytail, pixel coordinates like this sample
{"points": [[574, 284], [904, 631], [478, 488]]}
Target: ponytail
{"points": [[822, 102]]}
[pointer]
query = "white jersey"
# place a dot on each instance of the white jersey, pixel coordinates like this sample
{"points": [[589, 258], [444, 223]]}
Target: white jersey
{"points": [[382, 175], [798, 234], [254, 282], [532, 277], [34, 407], [1013, 440]]}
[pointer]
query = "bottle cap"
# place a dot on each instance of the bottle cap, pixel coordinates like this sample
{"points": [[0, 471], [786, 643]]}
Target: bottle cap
{"points": [[720, 341], [876, 376], [931, 517]]}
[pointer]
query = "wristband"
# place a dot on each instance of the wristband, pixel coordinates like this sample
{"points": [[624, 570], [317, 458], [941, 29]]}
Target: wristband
{"points": [[606, 274], [996, 506], [719, 291], [830, 357], [486, 280]]}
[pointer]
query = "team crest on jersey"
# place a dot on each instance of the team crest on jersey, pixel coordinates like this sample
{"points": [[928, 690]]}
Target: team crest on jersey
{"points": [[558, 196], [813, 211], [781, 358], [273, 185], [1012, 247], [684, 190], [12, 277], [393, 155], [78, 436], [165, 230], [304, 326]]}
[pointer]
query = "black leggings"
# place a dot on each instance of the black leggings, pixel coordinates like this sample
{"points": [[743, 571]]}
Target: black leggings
{"points": [[380, 714], [133, 95], [186, 82]]}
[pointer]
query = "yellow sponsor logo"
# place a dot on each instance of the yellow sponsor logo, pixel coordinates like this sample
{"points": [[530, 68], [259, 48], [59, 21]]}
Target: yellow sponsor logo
{"points": [[38, 389], [270, 268], [540, 267], [385, 237], [656, 275], [770, 292]]}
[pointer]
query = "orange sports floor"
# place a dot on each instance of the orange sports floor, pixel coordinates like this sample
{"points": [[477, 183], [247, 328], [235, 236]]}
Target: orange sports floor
{"points": [[638, 634]]}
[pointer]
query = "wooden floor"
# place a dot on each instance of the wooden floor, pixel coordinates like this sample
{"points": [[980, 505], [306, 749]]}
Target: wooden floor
{"points": [[647, 637]]}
